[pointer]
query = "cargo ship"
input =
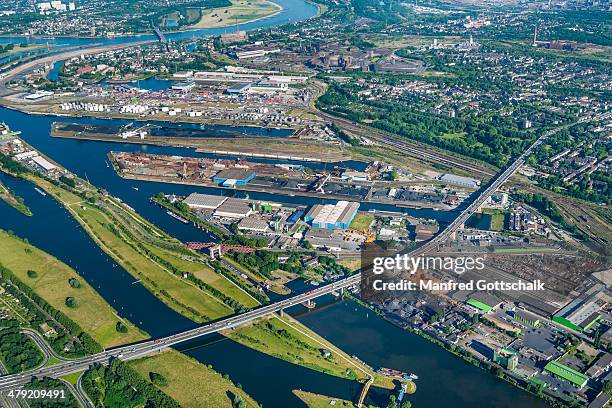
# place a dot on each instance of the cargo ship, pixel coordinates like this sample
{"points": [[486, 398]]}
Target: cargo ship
{"points": [[178, 217], [39, 191], [389, 372]]}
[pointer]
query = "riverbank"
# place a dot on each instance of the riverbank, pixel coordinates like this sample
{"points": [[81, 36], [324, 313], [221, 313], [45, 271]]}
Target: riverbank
{"points": [[285, 338], [192, 383], [240, 12], [14, 200], [454, 351], [313, 400]]}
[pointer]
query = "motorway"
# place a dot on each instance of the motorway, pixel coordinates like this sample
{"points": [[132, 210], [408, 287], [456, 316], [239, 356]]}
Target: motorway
{"points": [[142, 349]]}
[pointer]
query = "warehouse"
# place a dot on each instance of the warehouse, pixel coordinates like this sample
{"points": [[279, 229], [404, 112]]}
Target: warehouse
{"points": [[526, 318], [460, 180], [483, 301], [579, 315], [204, 201], [331, 216], [233, 177], [566, 373], [253, 224], [233, 208], [43, 163]]}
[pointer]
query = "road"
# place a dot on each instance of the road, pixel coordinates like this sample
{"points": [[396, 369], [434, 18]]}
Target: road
{"points": [[42, 345], [142, 349]]}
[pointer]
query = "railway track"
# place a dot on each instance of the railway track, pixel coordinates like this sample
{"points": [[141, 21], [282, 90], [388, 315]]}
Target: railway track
{"points": [[403, 146]]}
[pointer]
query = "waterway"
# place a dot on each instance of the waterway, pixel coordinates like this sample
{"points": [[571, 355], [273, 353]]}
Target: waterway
{"points": [[442, 377], [444, 380], [293, 11], [71, 153]]}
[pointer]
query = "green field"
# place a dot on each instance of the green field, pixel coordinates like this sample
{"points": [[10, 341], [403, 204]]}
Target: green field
{"points": [[192, 384], [94, 315], [206, 274], [362, 221], [497, 219], [312, 400]]}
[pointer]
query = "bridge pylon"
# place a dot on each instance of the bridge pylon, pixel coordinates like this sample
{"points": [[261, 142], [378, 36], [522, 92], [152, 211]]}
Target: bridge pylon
{"points": [[215, 250]]}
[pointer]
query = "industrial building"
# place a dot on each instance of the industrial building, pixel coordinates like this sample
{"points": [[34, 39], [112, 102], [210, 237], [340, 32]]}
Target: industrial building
{"points": [[253, 224], [579, 315], [43, 163], [233, 208], [566, 373], [526, 318], [204, 201], [483, 301], [233, 177], [460, 180], [331, 216]]}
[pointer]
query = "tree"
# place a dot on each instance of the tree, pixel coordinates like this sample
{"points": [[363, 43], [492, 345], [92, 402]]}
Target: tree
{"points": [[392, 402], [74, 282], [32, 274], [406, 404], [72, 302], [121, 327], [158, 379]]}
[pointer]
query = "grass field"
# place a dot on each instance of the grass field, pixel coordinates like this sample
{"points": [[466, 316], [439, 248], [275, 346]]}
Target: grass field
{"points": [[206, 274], [312, 400], [191, 384], [241, 11], [94, 315], [176, 292], [362, 221]]}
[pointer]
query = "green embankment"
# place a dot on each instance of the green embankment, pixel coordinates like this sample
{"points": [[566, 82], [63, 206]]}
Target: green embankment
{"points": [[51, 282], [313, 400], [191, 383], [111, 235], [14, 200]]}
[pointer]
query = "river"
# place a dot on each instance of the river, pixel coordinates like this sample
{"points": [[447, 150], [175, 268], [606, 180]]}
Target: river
{"points": [[293, 11]]}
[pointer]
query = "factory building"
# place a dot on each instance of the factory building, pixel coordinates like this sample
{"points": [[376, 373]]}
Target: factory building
{"points": [[566, 373], [483, 301], [253, 224], [204, 201], [331, 216], [579, 315], [233, 177], [43, 163], [233, 208], [460, 180]]}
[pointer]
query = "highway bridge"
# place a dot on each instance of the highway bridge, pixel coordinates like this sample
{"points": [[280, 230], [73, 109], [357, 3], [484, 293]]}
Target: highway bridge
{"points": [[144, 348]]}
